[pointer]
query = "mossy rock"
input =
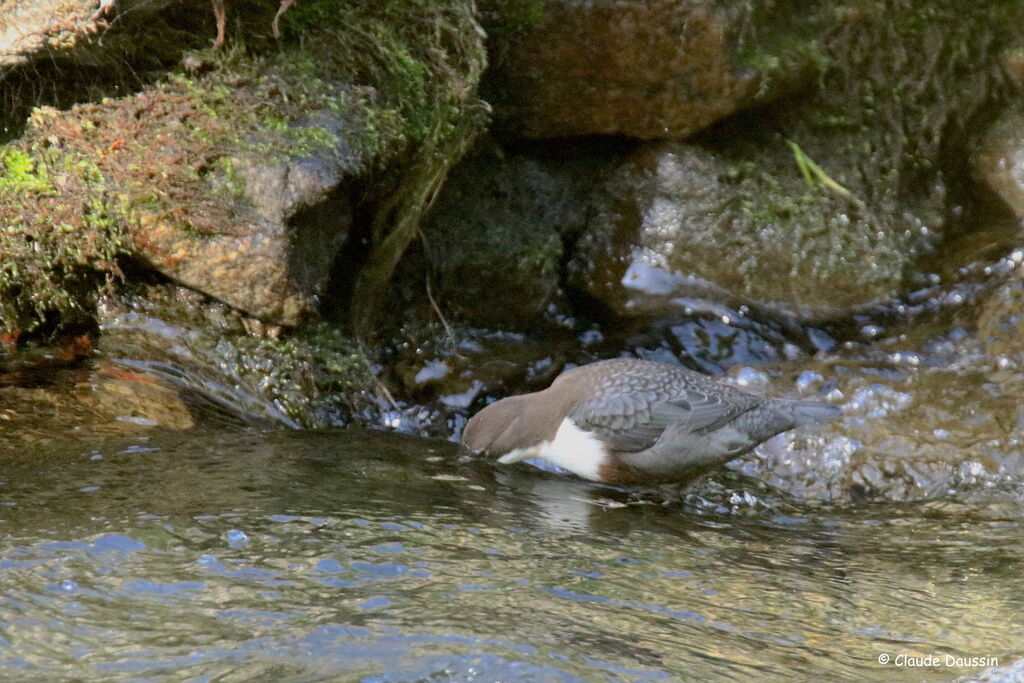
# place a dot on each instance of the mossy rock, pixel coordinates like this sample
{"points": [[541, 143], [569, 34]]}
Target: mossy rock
{"points": [[999, 161], [820, 204], [493, 241], [313, 377], [229, 178], [679, 223]]}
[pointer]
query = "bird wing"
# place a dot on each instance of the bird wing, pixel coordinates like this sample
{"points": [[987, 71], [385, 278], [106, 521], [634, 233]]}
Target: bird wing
{"points": [[630, 412]]}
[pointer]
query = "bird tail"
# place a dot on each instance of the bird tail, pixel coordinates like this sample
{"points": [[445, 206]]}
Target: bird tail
{"points": [[812, 412]]}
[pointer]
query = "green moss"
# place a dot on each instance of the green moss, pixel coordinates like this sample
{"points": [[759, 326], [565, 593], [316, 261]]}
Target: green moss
{"points": [[318, 378], [424, 61], [59, 234], [342, 368], [514, 15], [904, 88], [779, 39], [21, 173]]}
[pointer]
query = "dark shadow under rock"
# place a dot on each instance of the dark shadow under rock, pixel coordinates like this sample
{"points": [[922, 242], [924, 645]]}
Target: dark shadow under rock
{"points": [[493, 248]]}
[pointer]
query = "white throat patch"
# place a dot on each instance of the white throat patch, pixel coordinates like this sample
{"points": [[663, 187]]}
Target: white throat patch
{"points": [[572, 448]]}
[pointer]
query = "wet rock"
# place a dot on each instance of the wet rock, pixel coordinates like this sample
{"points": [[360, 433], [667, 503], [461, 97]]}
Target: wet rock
{"points": [[1000, 328], [87, 404], [1007, 673], [658, 69], [908, 433], [316, 378], [436, 379], [999, 161], [70, 386], [681, 225], [23, 365], [140, 399], [939, 414]]}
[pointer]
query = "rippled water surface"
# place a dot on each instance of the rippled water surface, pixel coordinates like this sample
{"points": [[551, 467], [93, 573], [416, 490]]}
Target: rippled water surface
{"points": [[360, 556]]}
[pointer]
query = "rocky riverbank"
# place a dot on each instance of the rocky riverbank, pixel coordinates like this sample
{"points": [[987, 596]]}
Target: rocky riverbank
{"points": [[390, 214]]}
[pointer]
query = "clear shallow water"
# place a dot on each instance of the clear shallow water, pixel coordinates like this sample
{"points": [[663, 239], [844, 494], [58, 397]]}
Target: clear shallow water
{"points": [[355, 556]]}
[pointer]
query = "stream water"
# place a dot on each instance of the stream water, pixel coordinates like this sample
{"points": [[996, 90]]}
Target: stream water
{"points": [[153, 526], [363, 556]]}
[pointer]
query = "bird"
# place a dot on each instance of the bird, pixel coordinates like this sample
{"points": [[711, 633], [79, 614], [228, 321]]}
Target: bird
{"points": [[635, 422]]}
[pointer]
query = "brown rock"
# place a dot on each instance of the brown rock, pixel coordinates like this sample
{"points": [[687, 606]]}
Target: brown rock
{"points": [[653, 69], [1001, 326], [244, 214]]}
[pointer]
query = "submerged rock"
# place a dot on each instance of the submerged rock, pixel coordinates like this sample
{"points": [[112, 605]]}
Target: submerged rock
{"points": [[84, 404], [908, 434], [930, 410]]}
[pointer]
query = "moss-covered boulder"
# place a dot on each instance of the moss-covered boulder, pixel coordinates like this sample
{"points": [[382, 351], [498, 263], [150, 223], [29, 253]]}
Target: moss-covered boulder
{"points": [[642, 68], [170, 176], [823, 203], [233, 174]]}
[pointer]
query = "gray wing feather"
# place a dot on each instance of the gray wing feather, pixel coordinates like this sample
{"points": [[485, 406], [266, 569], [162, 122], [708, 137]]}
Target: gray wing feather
{"points": [[631, 412]]}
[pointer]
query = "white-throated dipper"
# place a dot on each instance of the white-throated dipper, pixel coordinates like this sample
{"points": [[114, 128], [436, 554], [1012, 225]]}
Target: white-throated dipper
{"points": [[630, 421]]}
